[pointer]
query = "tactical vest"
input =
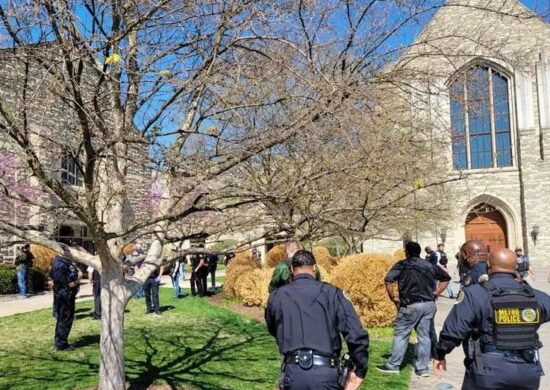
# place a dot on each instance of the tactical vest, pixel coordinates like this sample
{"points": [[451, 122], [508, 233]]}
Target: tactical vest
{"points": [[516, 317], [524, 265]]}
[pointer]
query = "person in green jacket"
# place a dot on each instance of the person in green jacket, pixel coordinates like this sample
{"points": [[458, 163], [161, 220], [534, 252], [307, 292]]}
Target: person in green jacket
{"points": [[282, 273]]}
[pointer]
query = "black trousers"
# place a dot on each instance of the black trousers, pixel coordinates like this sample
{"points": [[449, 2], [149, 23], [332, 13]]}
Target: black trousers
{"points": [[97, 298], [316, 378], [203, 281], [199, 281], [151, 289], [213, 276], [64, 311], [193, 282], [503, 373]]}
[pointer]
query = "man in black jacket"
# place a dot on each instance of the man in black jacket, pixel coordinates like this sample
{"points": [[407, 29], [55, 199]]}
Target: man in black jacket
{"points": [[416, 307]]}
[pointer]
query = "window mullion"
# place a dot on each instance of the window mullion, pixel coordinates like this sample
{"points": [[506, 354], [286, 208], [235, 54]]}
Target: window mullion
{"points": [[494, 155], [467, 126]]}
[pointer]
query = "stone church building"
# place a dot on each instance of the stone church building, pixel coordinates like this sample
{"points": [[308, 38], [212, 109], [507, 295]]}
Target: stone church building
{"points": [[483, 84]]}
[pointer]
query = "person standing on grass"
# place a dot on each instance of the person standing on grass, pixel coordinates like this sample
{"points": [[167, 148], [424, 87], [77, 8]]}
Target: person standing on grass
{"points": [[416, 307], [24, 262], [95, 279], [151, 291], [202, 275], [308, 319], [212, 266], [178, 274], [65, 276]]}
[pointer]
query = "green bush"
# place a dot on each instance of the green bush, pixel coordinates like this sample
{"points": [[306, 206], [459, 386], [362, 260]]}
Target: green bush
{"points": [[8, 280]]}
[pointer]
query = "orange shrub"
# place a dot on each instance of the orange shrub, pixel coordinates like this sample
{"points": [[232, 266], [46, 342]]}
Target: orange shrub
{"points": [[252, 287], [323, 258], [361, 276], [43, 257], [399, 254], [128, 249], [275, 255], [240, 265]]}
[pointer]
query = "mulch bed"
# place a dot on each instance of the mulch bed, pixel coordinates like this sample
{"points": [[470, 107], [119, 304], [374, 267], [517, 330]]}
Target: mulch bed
{"points": [[250, 311]]}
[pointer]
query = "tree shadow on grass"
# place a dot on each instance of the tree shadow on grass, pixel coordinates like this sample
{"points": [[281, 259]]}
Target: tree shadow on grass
{"points": [[91, 339], [188, 351], [166, 308], [220, 357]]}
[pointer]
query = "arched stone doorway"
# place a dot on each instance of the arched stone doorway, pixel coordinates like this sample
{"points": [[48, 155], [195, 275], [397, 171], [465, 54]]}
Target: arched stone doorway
{"points": [[487, 224]]}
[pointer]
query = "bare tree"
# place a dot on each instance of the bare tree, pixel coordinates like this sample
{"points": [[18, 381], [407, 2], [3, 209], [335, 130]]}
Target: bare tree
{"points": [[173, 119]]}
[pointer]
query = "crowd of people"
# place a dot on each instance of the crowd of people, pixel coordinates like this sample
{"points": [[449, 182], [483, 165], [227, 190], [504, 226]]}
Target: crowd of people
{"points": [[496, 318], [66, 277], [496, 315]]}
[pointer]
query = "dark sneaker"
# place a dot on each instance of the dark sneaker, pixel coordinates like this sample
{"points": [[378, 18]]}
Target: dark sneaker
{"points": [[423, 374], [387, 370], [97, 318]]}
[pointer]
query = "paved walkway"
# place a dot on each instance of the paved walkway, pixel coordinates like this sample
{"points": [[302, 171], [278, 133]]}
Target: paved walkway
{"points": [[10, 305], [455, 367]]}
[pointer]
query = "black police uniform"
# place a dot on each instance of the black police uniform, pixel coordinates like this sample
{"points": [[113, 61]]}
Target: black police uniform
{"points": [[63, 272], [212, 266], [203, 277], [476, 273], [198, 278], [497, 322], [96, 284], [307, 317]]}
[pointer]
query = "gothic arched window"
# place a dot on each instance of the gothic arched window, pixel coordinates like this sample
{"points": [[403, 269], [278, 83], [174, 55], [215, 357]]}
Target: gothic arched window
{"points": [[480, 120]]}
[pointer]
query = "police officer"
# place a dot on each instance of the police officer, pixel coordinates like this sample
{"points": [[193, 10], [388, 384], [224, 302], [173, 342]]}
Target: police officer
{"points": [[95, 278], [474, 253], [497, 321], [307, 317], [524, 265], [212, 266], [65, 278]]}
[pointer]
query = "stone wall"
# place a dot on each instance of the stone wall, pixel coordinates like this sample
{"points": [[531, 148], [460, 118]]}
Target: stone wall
{"points": [[34, 96], [508, 36]]}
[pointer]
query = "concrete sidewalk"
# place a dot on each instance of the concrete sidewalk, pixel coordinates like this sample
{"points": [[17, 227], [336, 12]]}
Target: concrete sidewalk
{"points": [[455, 367], [12, 304]]}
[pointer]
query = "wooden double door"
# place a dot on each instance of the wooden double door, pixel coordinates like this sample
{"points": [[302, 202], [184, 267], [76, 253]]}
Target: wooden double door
{"points": [[487, 224]]}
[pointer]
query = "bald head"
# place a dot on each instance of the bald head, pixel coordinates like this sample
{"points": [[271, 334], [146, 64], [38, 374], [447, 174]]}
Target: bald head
{"points": [[502, 260], [473, 251]]}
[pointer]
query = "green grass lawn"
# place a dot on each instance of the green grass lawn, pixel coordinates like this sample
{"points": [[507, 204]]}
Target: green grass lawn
{"points": [[194, 345]]}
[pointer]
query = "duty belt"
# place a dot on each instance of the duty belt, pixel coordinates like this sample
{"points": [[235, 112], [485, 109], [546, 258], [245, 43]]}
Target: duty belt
{"points": [[307, 359], [527, 355]]}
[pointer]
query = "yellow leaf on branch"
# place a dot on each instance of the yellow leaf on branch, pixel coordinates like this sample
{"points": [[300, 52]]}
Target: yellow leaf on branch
{"points": [[419, 183], [115, 58]]}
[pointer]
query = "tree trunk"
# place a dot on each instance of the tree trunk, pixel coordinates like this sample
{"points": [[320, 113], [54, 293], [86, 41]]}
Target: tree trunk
{"points": [[114, 297]]}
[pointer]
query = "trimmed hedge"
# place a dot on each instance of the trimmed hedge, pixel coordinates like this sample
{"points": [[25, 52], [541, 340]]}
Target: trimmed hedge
{"points": [[362, 278], [37, 280], [43, 257], [247, 280], [275, 255]]}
